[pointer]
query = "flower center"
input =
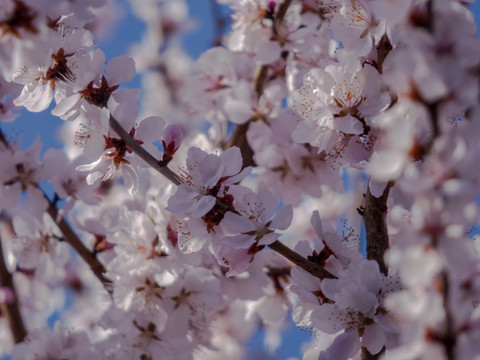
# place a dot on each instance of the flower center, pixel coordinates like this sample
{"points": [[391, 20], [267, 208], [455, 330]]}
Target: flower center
{"points": [[98, 96], [21, 17]]}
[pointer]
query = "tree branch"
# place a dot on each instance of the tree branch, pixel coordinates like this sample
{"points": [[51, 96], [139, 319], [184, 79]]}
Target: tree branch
{"points": [[307, 265], [373, 214], [297, 259], [282, 11], [260, 79], [71, 238], [239, 139], [141, 152], [239, 136], [10, 309], [366, 355]]}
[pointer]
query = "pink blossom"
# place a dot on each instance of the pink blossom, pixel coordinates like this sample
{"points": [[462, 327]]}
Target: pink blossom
{"points": [[205, 178], [253, 226], [172, 138]]}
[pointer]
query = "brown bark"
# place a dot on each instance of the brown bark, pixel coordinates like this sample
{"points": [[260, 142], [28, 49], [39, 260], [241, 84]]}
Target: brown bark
{"points": [[142, 153], [297, 259], [11, 310], [374, 213]]}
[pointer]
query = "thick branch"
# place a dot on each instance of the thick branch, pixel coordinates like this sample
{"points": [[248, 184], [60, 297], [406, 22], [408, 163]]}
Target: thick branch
{"points": [[141, 152], [297, 259], [11, 309], [71, 237], [373, 214]]}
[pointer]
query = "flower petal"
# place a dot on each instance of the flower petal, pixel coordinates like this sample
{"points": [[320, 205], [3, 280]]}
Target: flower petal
{"points": [[236, 224], [120, 69], [283, 218]]}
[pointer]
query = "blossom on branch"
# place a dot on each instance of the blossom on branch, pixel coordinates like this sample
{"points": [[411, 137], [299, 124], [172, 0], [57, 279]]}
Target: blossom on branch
{"points": [[206, 178]]}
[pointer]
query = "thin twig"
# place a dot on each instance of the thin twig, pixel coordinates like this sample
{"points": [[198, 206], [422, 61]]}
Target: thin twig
{"points": [[71, 238], [141, 152], [10, 309], [297, 259]]}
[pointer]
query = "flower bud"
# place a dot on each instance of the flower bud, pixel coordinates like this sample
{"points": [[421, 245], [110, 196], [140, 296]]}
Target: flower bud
{"points": [[172, 138]]}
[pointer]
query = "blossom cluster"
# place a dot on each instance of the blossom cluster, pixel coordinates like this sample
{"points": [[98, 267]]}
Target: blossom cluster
{"points": [[318, 163]]}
